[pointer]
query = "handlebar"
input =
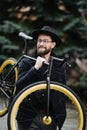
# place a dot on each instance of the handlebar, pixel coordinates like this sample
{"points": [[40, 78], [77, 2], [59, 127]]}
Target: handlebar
{"points": [[62, 60]]}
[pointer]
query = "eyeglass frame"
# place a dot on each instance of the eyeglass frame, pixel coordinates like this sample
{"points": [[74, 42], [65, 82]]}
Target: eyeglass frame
{"points": [[45, 41]]}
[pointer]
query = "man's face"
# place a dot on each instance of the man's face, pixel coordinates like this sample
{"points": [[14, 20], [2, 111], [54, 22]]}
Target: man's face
{"points": [[44, 44]]}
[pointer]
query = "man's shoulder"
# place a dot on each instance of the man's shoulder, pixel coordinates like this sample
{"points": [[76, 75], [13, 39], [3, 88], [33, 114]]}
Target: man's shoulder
{"points": [[27, 61]]}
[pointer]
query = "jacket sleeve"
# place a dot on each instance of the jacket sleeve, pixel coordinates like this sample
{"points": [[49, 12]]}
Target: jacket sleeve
{"points": [[27, 74]]}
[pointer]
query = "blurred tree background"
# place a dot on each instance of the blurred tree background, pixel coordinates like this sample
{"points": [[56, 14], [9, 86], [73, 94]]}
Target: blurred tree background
{"points": [[69, 18]]}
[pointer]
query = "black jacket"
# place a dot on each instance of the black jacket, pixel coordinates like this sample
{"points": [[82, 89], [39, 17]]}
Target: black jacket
{"points": [[28, 74]]}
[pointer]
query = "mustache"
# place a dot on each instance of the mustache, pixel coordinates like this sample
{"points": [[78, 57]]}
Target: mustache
{"points": [[41, 46]]}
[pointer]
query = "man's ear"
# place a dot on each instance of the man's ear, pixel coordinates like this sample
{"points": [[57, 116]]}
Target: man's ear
{"points": [[53, 44]]}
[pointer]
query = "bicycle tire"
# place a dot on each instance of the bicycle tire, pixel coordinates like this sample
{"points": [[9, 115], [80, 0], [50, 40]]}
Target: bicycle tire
{"points": [[13, 110], [12, 78]]}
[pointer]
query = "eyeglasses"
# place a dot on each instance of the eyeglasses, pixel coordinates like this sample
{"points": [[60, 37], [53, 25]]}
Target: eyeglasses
{"points": [[44, 41]]}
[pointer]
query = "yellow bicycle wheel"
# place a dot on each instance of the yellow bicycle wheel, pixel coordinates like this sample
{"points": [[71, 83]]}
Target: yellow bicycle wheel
{"points": [[33, 96], [8, 77]]}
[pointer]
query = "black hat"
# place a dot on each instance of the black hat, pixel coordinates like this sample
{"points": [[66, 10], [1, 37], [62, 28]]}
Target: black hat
{"points": [[49, 31]]}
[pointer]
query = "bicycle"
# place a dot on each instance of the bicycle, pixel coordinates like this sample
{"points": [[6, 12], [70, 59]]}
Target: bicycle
{"points": [[41, 89]]}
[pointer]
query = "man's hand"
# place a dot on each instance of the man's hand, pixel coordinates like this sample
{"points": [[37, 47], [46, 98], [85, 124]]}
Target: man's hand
{"points": [[39, 62]]}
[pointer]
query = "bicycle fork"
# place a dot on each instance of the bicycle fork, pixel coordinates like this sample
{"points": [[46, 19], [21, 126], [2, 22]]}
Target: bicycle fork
{"points": [[47, 119]]}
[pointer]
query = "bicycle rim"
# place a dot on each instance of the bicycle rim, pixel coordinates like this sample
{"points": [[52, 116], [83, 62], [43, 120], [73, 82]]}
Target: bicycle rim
{"points": [[56, 87], [6, 91]]}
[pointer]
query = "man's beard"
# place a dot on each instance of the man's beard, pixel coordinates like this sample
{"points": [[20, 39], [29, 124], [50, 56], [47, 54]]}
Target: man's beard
{"points": [[44, 52]]}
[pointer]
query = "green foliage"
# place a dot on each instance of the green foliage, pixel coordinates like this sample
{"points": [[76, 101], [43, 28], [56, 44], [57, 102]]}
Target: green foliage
{"points": [[69, 18], [4, 40], [8, 40], [83, 80], [9, 26]]}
